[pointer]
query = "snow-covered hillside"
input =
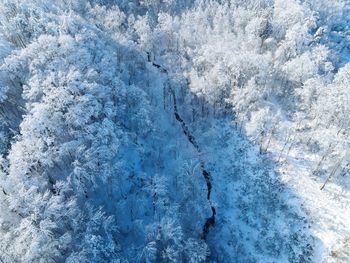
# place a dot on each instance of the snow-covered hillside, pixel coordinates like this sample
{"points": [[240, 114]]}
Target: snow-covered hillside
{"points": [[174, 131]]}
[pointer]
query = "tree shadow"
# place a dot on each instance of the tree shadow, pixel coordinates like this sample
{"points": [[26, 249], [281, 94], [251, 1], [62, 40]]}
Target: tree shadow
{"points": [[258, 216]]}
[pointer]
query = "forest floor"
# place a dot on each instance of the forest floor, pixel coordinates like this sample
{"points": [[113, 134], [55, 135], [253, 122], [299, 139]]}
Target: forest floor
{"points": [[259, 217], [328, 210]]}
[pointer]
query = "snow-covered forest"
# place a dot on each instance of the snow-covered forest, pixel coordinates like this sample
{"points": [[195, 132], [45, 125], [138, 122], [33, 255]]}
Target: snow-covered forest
{"points": [[180, 131]]}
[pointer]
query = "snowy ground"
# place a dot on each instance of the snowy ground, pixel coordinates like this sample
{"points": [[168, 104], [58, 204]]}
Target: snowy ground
{"points": [[269, 206], [259, 217], [328, 209]]}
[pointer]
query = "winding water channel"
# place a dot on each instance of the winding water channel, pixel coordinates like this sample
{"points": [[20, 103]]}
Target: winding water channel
{"points": [[210, 221], [207, 177]]}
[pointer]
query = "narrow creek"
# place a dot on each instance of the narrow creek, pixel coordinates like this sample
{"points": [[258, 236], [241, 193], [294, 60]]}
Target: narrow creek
{"points": [[207, 177], [210, 221]]}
